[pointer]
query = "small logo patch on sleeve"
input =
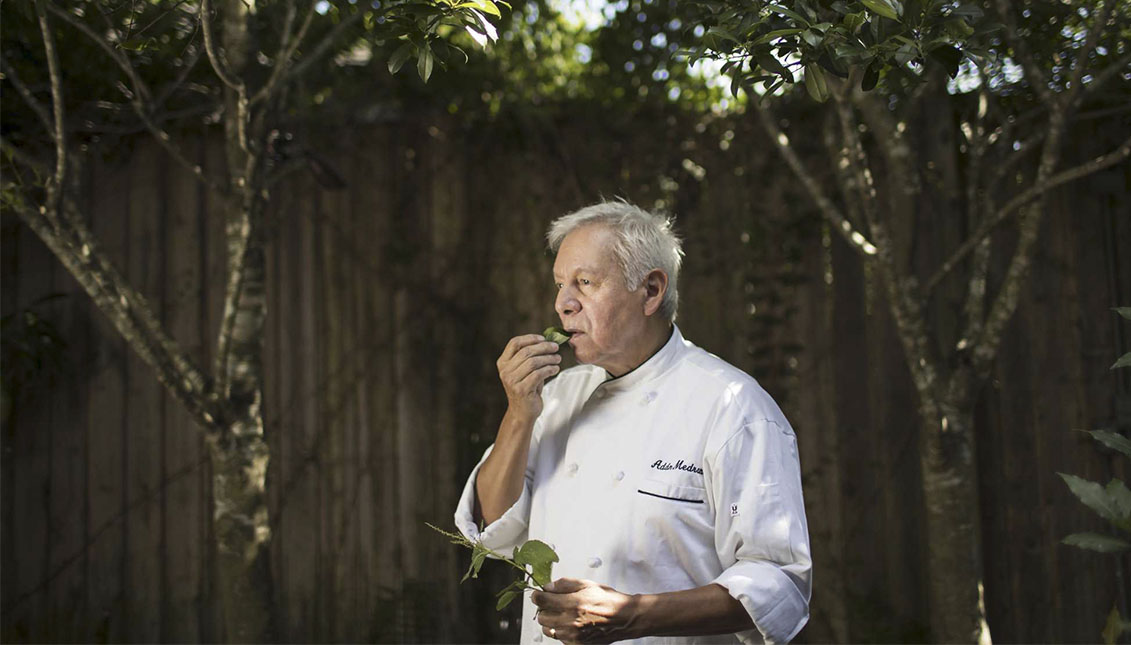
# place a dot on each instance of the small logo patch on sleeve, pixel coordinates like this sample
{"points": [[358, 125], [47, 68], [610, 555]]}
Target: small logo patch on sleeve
{"points": [[733, 510]]}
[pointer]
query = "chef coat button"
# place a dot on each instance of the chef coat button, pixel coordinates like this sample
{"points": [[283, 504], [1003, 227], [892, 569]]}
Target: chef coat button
{"points": [[572, 469], [594, 563], [648, 398], [619, 476], [538, 638]]}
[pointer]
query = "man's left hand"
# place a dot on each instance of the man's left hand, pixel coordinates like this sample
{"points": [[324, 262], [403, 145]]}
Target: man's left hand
{"points": [[583, 611]]}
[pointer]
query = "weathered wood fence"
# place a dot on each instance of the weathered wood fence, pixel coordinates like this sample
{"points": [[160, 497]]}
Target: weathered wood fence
{"points": [[391, 298]]}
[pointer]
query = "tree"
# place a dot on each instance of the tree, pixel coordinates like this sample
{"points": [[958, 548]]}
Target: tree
{"points": [[975, 155], [258, 57]]}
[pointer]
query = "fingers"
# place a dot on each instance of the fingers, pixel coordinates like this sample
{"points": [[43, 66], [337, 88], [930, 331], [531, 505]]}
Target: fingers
{"points": [[519, 342]]}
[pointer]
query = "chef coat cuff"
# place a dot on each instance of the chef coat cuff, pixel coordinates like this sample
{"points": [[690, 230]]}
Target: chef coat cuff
{"points": [[503, 534], [775, 604]]}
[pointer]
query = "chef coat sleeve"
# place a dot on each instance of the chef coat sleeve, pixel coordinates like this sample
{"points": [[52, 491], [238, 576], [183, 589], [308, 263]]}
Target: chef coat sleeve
{"points": [[510, 530], [761, 534]]}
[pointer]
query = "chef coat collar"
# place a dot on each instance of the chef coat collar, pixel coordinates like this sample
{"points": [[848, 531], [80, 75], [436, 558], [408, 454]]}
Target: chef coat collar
{"points": [[657, 364]]}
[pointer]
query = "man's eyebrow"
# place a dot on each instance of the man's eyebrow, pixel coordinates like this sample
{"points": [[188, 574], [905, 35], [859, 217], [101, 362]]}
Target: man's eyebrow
{"points": [[579, 270]]}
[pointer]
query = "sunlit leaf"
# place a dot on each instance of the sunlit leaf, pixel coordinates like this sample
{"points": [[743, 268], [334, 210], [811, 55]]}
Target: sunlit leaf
{"points": [[1123, 311], [399, 57], [424, 64], [1124, 361], [882, 8], [816, 84]]}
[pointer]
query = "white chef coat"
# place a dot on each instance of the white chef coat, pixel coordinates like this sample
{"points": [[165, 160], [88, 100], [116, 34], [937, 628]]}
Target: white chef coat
{"points": [[681, 473]]}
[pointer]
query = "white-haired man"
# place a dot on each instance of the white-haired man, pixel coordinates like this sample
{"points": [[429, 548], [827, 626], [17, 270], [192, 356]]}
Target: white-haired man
{"points": [[666, 479]]}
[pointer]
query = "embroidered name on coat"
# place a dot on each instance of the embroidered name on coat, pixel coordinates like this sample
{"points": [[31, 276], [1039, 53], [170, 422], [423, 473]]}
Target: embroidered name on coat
{"points": [[660, 464]]}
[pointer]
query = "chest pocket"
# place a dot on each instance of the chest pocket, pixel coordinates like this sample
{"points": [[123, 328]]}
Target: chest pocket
{"points": [[674, 493]]}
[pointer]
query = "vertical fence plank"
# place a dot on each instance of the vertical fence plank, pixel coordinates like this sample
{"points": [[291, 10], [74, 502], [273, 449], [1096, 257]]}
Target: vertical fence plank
{"points": [[26, 615], [184, 553], [67, 558], [105, 424], [144, 423]]}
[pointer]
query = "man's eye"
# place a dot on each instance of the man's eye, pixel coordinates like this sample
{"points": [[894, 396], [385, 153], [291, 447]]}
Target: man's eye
{"points": [[558, 285], [584, 282]]}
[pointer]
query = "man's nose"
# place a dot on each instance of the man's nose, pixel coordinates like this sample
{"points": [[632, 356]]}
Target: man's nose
{"points": [[566, 304]]}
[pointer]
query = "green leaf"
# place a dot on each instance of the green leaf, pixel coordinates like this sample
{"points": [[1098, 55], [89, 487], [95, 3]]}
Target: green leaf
{"points": [[854, 21], [777, 33], [786, 12], [1095, 497], [1124, 361], [505, 599], [882, 8], [1123, 311], [1115, 626], [541, 559], [816, 84], [870, 78], [1096, 542], [556, 334], [399, 57], [958, 28], [771, 64], [1112, 440], [949, 57], [424, 64]]}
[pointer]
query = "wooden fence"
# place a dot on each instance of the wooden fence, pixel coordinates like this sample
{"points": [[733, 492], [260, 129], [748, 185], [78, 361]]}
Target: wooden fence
{"points": [[389, 301]]}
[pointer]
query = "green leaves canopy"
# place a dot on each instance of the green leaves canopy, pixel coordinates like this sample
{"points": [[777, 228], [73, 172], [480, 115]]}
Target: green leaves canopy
{"points": [[863, 40]]}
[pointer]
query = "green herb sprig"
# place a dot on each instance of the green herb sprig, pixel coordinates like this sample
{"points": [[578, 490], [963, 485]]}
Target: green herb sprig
{"points": [[556, 334], [535, 559]]}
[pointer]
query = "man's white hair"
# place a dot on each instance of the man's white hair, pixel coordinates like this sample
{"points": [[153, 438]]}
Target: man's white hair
{"points": [[644, 242]]}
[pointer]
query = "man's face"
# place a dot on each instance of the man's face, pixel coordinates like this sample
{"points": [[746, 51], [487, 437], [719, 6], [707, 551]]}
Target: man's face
{"points": [[606, 319]]}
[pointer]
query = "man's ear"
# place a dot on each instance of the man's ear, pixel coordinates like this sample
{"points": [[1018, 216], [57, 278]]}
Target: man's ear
{"points": [[655, 286]]}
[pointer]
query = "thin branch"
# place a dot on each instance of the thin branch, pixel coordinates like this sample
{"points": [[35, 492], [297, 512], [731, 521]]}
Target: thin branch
{"points": [[25, 93], [120, 58], [22, 157], [168, 90], [287, 51], [1073, 92], [324, 45], [210, 46], [1036, 77], [1108, 73], [1011, 207], [225, 77], [840, 224], [55, 189]]}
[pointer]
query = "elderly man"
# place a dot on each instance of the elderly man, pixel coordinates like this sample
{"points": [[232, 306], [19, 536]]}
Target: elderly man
{"points": [[666, 479]]}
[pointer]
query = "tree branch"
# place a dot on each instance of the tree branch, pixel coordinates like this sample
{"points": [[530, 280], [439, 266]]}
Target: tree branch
{"points": [[286, 51], [138, 100], [1073, 92], [127, 310], [1013, 205], [1108, 73], [829, 210], [28, 97], [1036, 77], [324, 45], [56, 186]]}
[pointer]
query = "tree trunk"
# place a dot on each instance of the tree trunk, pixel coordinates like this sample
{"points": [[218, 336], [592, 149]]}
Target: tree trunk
{"points": [[950, 491]]}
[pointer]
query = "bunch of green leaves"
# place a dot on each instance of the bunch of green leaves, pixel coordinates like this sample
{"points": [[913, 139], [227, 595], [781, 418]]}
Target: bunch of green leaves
{"points": [[865, 40], [556, 334], [1111, 502], [418, 25], [534, 559]]}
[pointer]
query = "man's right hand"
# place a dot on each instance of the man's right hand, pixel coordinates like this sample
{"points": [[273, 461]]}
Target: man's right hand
{"points": [[525, 364]]}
